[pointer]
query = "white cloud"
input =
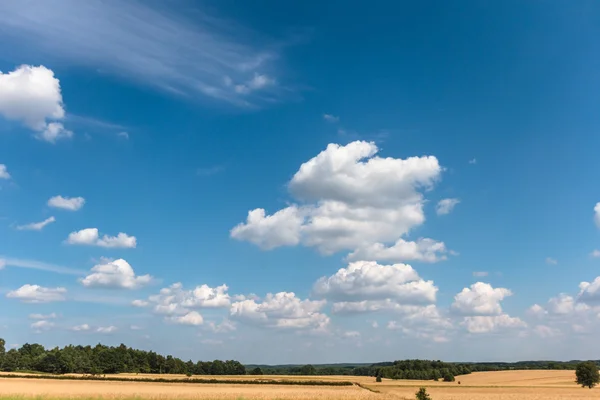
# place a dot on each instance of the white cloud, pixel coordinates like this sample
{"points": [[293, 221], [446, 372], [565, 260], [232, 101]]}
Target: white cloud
{"points": [[81, 328], [36, 226], [545, 331], [597, 214], [106, 329], [42, 316], [425, 323], [351, 199], [351, 334], [135, 328], [487, 324], [480, 299], [2, 264], [473, 161], [91, 237], [562, 304], [258, 82], [224, 327], [67, 203], [37, 294], [32, 96], [595, 253], [424, 250], [115, 274], [176, 300], [53, 132], [331, 118], [446, 206], [269, 232], [42, 325], [212, 342], [480, 274], [282, 311], [192, 318], [4, 172], [183, 52], [590, 292], [139, 303], [367, 280], [124, 135], [551, 261], [537, 310]]}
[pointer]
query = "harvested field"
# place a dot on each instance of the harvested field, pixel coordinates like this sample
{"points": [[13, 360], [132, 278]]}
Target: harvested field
{"points": [[503, 385]]}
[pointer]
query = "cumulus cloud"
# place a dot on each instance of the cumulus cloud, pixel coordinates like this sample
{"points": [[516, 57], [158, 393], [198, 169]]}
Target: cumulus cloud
{"points": [[40, 326], [37, 294], [116, 274], [590, 291], [350, 199], [424, 250], [492, 323], [480, 274], [81, 328], [106, 329], [367, 284], [36, 226], [175, 300], [192, 318], [90, 237], [481, 299], [595, 253], [224, 327], [139, 303], [282, 311], [4, 172], [545, 331], [66, 203], [446, 206], [32, 96], [331, 118], [269, 232], [597, 214], [42, 316]]}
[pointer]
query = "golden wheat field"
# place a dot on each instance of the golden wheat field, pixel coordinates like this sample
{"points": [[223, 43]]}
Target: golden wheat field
{"points": [[509, 385]]}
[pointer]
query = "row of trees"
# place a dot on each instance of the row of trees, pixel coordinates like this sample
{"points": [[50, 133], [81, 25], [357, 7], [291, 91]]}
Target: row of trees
{"points": [[102, 359]]}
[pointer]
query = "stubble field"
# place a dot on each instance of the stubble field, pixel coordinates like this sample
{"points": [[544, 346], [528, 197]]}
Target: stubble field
{"points": [[509, 385]]}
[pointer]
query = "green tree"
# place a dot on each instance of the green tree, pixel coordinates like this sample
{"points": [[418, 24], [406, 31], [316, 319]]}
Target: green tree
{"points": [[256, 371], [587, 374], [422, 394], [308, 370], [378, 379]]}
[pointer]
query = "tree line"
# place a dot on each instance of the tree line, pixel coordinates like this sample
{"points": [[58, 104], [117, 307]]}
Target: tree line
{"points": [[102, 359]]}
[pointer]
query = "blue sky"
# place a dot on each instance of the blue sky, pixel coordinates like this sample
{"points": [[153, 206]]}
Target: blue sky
{"points": [[419, 178]]}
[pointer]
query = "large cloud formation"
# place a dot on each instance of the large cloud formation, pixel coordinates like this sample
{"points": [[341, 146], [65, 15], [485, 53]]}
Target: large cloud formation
{"points": [[351, 199]]}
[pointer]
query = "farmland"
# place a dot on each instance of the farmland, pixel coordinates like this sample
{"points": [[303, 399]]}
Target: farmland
{"points": [[529, 385]]}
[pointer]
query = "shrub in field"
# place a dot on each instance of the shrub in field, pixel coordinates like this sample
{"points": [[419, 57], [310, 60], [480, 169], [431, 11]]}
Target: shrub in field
{"points": [[378, 379], [587, 374], [422, 394]]}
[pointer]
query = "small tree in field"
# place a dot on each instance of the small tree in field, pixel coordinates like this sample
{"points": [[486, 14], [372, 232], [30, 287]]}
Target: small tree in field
{"points": [[587, 374], [422, 394], [378, 379], [188, 374]]}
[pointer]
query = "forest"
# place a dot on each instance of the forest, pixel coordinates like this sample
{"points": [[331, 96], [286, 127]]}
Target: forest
{"points": [[102, 359]]}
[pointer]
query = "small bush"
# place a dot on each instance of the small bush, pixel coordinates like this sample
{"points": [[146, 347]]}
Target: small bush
{"points": [[422, 394], [378, 379], [188, 374]]}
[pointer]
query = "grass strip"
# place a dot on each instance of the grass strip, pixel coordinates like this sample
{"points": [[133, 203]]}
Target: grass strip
{"points": [[189, 380]]}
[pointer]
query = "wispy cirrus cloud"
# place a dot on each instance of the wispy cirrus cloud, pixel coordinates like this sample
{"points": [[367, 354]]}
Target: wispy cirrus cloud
{"points": [[40, 266], [152, 45], [36, 226]]}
